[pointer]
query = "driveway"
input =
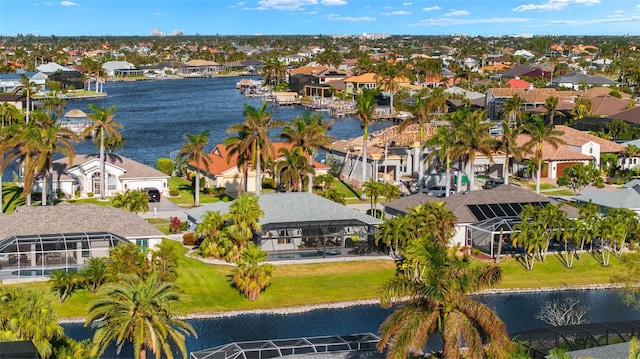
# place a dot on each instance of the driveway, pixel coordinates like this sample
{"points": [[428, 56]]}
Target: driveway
{"points": [[164, 209]]}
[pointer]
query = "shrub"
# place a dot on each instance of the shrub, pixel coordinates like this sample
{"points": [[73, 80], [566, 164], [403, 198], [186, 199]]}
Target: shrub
{"points": [[189, 239], [176, 225], [269, 183], [173, 192], [165, 165], [77, 193], [89, 194]]}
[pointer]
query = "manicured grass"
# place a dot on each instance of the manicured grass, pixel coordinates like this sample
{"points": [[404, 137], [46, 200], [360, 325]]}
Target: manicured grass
{"points": [[552, 273], [185, 198], [559, 192], [206, 288]]}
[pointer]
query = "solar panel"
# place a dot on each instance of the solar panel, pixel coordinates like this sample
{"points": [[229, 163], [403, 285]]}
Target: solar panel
{"points": [[493, 210], [476, 212], [497, 209], [509, 210]]}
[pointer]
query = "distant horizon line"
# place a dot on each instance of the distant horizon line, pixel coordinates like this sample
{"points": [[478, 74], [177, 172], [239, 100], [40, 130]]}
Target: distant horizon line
{"points": [[521, 35]]}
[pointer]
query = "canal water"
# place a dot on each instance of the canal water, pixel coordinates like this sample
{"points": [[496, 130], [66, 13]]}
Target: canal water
{"points": [[517, 310]]}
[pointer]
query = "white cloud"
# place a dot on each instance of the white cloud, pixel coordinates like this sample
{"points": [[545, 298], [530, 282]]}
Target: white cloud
{"points": [[432, 8], [399, 12], [67, 3], [607, 20], [443, 22], [333, 2], [311, 12], [284, 4], [457, 13], [555, 5], [334, 17], [407, 3]]}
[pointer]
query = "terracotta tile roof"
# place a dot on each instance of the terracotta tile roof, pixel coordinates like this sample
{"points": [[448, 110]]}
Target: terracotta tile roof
{"points": [[201, 63], [605, 105], [518, 83], [573, 138], [307, 70], [458, 203], [601, 91], [631, 115], [506, 91], [369, 77]]}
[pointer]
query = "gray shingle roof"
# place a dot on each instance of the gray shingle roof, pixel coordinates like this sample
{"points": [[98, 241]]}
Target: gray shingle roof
{"points": [[75, 218], [612, 351], [293, 207], [458, 203], [627, 197]]}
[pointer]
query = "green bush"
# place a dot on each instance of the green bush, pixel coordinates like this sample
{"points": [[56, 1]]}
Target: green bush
{"points": [[89, 194], [77, 193], [189, 239], [269, 183], [173, 192], [165, 165]]}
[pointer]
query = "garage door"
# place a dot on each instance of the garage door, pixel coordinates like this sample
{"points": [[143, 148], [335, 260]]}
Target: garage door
{"points": [[562, 166]]}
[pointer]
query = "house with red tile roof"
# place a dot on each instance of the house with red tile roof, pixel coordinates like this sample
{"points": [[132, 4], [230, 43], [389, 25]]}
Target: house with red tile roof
{"points": [[579, 148], [222, 170], [519, 83]]}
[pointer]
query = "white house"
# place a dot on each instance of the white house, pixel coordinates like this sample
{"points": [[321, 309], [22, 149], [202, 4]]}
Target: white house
{"points": [[83, 175]]}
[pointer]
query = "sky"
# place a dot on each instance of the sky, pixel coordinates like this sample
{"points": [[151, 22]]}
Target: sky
{"points": [[312, 17]]}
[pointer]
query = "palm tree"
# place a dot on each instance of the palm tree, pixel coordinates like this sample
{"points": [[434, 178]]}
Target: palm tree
{"points": [[22, 144], [373, 189], [512, 109], [394, 233], [250, 276], [138, 310], [132, 201], [541, 135], [421, 117], [365, 109], [194, 151], [473, 137], [243, 219], [308, 132], [444, 140], [292, 168], [27, 88], [239, 147], [257, 124], [551, 104], [508, 144], [438, 285], [433, 219], [629, 152], [105, 127]]}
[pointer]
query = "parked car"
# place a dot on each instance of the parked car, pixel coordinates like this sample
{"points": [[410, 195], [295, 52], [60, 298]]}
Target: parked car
{"points": [[493, 183], [438, 191], [152, 193]]}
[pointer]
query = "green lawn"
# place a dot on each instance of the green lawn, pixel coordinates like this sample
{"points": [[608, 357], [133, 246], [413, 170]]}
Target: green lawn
{"points": [[185, 198], [207, 288]]}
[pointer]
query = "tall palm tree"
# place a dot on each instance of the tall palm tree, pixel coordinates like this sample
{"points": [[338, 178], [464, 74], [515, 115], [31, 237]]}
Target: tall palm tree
{"points": [[292, 168], [22, 144], [433, 220], [239, 148], [138, 310], [27, 87], [539, 136], [507, 143], [472, 138], [257, 124], [194, 151], [394, 233], [309, 133], [420, 116], [365, 110], [438, 285], [512, 109], [104, 127], [54, 139], [551, 104], [373, 189], [250, 276], [445, 141]]}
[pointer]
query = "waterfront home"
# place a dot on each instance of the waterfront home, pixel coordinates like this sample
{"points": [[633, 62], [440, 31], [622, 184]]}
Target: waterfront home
{"points": [[9, 82], [223, 171], [39, 239], [81, 178], [200, 68], [626, 197], [121, 69], [580, 148], [532, 98], [576, 80], [482, 215], [300, 221]]}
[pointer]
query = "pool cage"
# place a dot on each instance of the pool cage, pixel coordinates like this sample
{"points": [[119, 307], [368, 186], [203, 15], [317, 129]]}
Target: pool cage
{"points": [[486, 235], [29, 256], [266, 349]]}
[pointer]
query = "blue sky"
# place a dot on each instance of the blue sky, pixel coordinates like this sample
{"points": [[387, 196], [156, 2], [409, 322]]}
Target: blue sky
{"points": [[290, 17]]}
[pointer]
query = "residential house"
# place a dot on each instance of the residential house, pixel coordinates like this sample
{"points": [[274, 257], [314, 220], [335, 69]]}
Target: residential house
{"points": [[355, 84], [39, 239], [577, 80], [520, 71], [630, 116], [292, 59], [301, 222], [9, 82], [82, 176], [199, 68], [580, 148], [532, 98], [626, 197], [121, 69], [302, 76], [223, 171], [482, 215]]}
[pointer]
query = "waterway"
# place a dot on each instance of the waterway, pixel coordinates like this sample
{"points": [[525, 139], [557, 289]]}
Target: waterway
{"points": [[517, 310]]}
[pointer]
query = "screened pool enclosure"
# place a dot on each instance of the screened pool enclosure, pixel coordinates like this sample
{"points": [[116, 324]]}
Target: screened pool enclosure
{"points": [[23, 256]]}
